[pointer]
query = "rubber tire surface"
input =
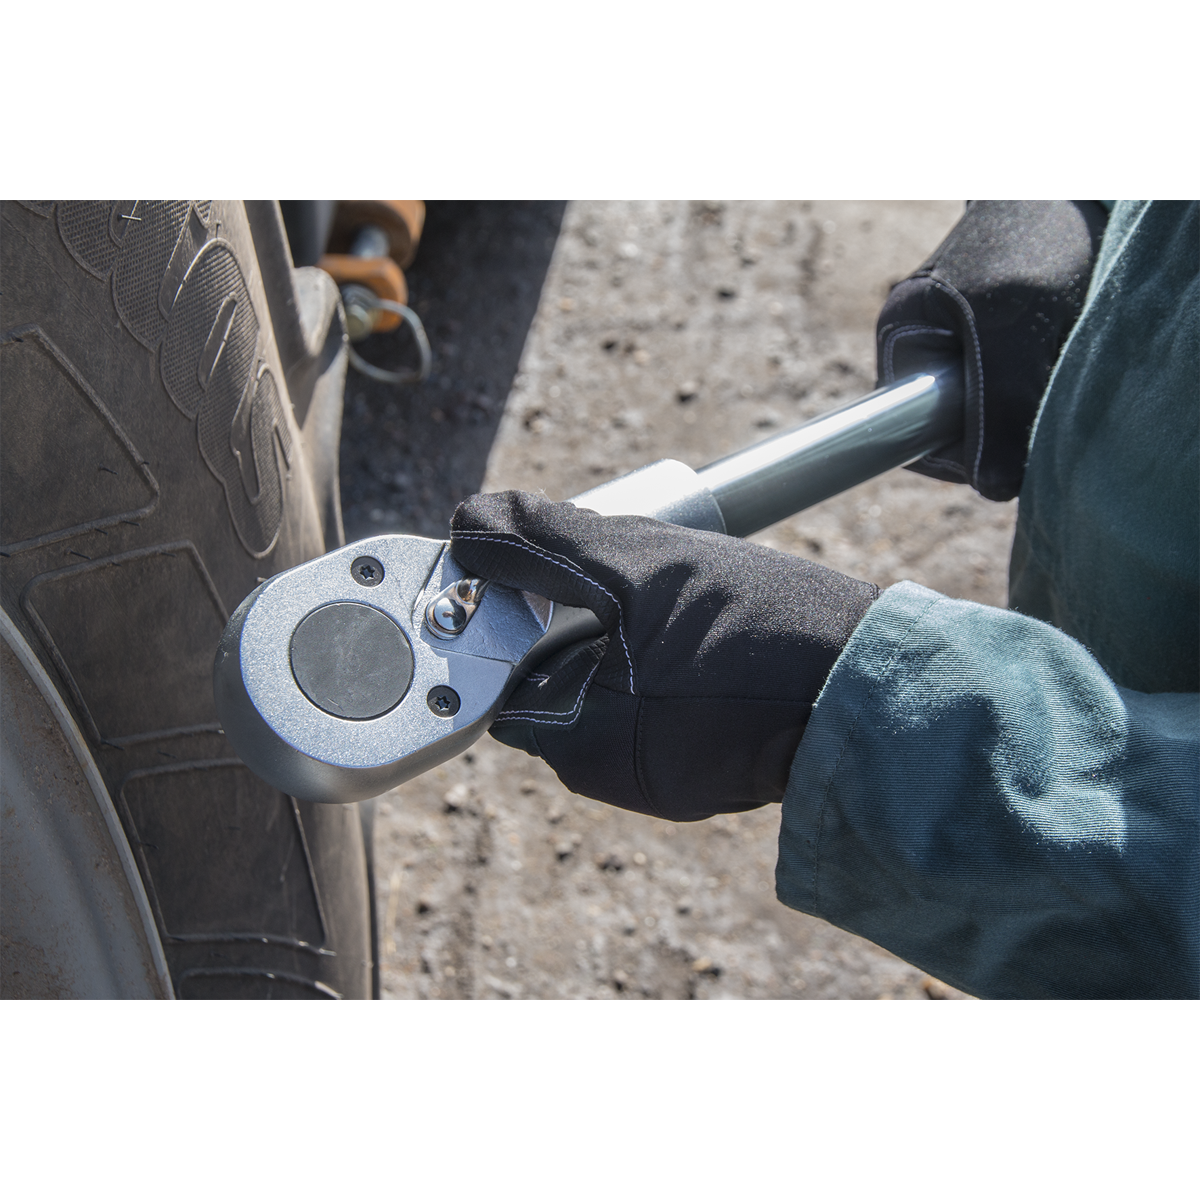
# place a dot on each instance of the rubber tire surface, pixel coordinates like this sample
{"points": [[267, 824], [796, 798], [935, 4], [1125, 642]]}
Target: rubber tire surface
{"points": [[152, 472]]}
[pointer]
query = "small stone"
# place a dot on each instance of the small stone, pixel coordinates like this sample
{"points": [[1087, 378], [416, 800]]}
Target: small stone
{"points": [[528, 787], [641, 357], [640, 859], [566, 303], [456, 798]]}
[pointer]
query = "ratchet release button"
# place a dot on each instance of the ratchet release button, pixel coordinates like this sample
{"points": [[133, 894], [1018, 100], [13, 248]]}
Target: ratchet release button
{"points": [[351, 660]]}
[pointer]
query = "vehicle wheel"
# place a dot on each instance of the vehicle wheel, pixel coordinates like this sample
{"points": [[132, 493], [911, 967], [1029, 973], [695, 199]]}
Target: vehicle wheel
{"points": [[171, 402]]}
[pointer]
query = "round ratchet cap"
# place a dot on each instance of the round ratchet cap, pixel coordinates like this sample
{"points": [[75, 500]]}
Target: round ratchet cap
{"points": [[351, 660]]}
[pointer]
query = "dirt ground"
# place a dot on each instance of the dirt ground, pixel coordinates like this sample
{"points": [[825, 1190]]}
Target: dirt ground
{"points": [[573, 345]]}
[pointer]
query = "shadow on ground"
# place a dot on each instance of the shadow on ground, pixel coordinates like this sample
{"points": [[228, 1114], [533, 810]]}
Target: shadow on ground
{"points": [[410, 454]]}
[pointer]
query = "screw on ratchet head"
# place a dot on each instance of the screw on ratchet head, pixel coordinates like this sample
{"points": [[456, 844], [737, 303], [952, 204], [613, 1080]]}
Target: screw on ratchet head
{"points": [[447, 614]]}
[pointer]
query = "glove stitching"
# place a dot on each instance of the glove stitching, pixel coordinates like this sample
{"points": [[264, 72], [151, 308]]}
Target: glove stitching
{"points": [[862, 708], [948, 464], [889, 344], [547, 712], [889, 375], [970, 315], [561, 562], [945, 462]]}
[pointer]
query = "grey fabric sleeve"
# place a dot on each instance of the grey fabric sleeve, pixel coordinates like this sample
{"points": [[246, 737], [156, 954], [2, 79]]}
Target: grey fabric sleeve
{"points": [[976, 795]]}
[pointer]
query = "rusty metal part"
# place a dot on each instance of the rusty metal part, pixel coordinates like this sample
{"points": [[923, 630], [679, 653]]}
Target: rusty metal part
{"points": [[380, 275], [371, 241], [402, 220]]}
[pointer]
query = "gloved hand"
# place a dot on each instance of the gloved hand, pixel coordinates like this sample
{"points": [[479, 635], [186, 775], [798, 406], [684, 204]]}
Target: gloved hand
{"points": [[999, 295], [694, 700]]}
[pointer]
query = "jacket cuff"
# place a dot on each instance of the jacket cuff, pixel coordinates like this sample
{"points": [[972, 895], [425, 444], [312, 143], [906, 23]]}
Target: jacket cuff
{"points": [[869, 657]]}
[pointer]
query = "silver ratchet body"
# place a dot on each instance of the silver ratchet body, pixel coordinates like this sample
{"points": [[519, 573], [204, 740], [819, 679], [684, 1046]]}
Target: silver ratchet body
{"points": [[347, 675]]}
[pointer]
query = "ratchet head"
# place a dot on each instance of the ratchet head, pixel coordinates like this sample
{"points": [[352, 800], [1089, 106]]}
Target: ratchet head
{"points": [[332, 684]]}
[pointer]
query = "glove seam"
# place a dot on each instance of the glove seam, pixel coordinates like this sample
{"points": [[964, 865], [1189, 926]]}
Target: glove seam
{"points": [[947, 463], [567, 718], [889, 375], [858, 716], [522, 544], [890, 339], [969, 312]]}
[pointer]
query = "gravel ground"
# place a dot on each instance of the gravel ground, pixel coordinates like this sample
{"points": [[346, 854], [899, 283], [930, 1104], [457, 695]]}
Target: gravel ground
{"points": [[566, 356]]}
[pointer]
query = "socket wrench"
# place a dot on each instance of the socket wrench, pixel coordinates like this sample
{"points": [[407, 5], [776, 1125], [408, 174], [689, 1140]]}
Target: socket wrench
{"points": [[347, 675]]}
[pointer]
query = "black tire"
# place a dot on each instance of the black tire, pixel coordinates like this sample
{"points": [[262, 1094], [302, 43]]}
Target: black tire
{"points": [[168, 423]]}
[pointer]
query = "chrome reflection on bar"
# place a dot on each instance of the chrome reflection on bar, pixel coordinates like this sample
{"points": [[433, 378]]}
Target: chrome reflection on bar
{"points": [[783, 475]]}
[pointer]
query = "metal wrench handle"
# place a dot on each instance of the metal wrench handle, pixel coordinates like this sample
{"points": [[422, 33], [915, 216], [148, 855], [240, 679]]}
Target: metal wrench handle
{"points": [[788, 473], [785, 474]]}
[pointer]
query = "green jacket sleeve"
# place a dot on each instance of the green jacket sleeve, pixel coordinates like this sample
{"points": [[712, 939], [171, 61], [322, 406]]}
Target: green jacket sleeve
{"points": [[974, 793]]}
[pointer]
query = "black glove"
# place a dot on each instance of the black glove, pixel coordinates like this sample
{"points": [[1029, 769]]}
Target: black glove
{"points": [[715, 652], [999, 295]]}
